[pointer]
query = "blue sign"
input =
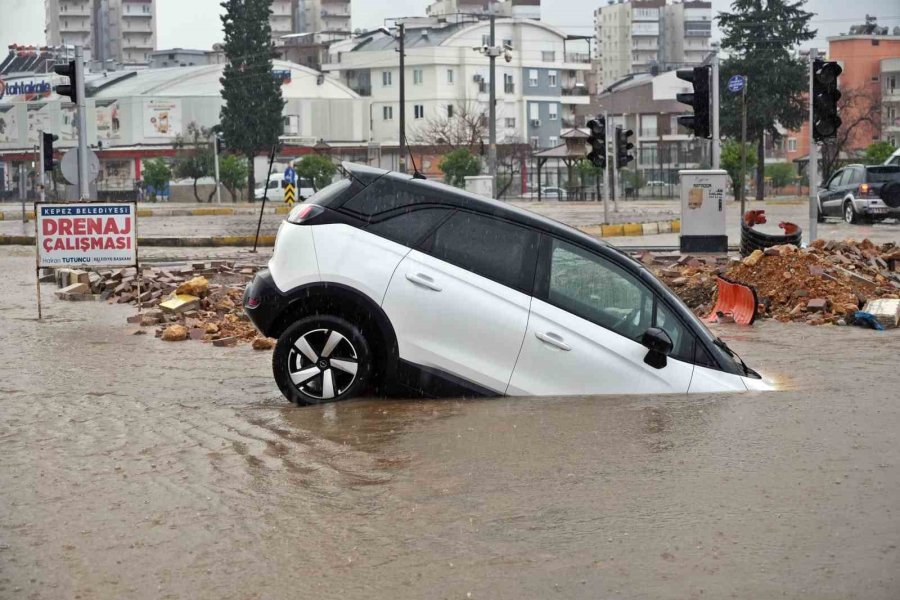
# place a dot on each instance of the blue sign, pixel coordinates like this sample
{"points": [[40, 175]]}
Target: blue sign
{"points": [[736, 83], [290, 175]]}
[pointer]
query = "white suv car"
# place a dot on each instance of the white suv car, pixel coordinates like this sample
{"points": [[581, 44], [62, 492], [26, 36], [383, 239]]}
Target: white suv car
{"points": [[382, 281]]}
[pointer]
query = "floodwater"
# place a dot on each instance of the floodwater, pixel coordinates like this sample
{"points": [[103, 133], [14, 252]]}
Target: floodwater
{"points": [[132, 468]]}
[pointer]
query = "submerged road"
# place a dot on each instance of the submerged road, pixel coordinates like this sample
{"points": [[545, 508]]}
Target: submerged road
{"points": [[134, 468]]}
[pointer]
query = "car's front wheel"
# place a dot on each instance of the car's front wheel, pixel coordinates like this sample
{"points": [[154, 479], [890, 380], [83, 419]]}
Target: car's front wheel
{"points": [[321, 359]]}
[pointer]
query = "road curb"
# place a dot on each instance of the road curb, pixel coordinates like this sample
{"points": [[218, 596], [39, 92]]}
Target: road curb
{"points": [[168, 242], [633, 229]]}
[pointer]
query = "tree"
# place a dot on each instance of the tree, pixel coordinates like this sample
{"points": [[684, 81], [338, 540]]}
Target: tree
{"points": [[251, 117], [781, 174], [857, 108], [317, 168], [467, 128], [878, 152], [157, 176], [193, 155], [731, 162], [232, 173], [759, 38], [459, 164]]}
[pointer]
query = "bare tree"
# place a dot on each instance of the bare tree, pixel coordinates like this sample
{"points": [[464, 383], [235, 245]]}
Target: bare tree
{"points": [[857, 108], [467, 128], [512, 155]]}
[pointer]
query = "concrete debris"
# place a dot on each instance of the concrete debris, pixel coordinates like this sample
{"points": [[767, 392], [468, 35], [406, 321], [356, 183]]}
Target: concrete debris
{"points": [[885, 311], [262, 343], [821, 284], [175, 333], [204, 298]]}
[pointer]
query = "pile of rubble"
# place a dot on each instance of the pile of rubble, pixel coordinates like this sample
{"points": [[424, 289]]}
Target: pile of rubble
{"points": [[199, 301], [827, 282]]}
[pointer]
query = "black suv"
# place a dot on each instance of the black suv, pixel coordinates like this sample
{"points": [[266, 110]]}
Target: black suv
{"points": [[862, 193]]}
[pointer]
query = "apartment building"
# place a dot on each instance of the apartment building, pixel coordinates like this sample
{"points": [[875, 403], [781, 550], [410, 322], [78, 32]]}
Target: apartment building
{"points": [[521, 9], [119, 32], [538, 89], [890, 100], [643, 36]]}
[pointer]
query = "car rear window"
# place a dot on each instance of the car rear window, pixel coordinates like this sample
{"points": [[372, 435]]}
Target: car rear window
{"points": [[384, 195], [327, 195], [884, 173]]}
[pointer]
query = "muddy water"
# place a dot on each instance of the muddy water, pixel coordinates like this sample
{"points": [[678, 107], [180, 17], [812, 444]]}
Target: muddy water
{"points": [[130, 468]]}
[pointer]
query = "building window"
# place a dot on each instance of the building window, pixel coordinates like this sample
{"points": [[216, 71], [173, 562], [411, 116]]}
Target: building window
{"points": [[486, 40], [551, 78], [508, 44], [792, 145], [535, 142], [449, 111], [548, 56], [387, 112], [510, 122], [449, 76], [648, 126], [419, 111], [553, 141], [508, 86], [417, 77], [532, 77], [386, 78], [534, 111], [554, 112]]}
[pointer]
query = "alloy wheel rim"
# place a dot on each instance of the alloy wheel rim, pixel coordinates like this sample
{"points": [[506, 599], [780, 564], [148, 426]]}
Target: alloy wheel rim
{"points": [[848, 214], [323, 364]]}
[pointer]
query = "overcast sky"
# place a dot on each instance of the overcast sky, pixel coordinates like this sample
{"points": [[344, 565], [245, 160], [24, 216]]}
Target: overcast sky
{"points": [[195, 23]]}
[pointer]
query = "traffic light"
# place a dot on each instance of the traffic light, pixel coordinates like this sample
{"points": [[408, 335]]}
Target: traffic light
{"points": [[597, 141], [70, 89], [825, 98], [699, 100], [623, 147], [47, 140], [220, 145]]}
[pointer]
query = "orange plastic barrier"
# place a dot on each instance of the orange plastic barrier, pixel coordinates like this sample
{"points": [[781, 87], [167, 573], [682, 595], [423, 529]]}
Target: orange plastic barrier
{"points": [[737, 300]]}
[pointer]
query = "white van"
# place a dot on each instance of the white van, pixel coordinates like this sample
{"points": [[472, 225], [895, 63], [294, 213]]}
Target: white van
{"points": [[276, 189]]}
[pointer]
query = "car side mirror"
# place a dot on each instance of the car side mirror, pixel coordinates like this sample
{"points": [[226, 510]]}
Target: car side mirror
{"points": [[659, 344]]}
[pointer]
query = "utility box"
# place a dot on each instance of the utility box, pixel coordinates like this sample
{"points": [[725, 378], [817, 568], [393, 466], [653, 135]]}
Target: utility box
{"points": [[703, 210], [482, 185]]}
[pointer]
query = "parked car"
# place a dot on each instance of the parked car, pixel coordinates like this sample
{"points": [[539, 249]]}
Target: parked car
{"points": [[656, 184], [861, 193], [382, 280], [557, 193], [276, 188]]}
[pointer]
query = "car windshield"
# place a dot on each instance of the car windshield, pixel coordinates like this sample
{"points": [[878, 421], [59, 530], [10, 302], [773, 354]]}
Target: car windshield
{"points": [[884, 173]]}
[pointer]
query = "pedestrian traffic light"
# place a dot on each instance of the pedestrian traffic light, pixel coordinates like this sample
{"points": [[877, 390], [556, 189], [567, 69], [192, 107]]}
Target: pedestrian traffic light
{"points": [[70, 89], [623, 147], [47, 140], [698, 100], [826, 121], [597, 141]]}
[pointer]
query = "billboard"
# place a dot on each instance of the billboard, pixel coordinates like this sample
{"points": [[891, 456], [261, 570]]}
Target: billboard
{"points": [[91, 234], [162, 118], [108, 123], [38, 121]]}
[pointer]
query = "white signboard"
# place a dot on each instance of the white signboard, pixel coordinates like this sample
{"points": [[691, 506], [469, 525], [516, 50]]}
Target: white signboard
{"points": [[108, 124], [703, 210], [162, 118], [91, 234]]}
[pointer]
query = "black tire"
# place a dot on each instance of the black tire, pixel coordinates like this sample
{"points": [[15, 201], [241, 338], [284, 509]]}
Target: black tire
{"points": [[288, 361], [849, 213]]}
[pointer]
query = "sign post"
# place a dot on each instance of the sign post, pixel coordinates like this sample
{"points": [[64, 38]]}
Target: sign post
{"points": [[738, 83], [290, 186]]}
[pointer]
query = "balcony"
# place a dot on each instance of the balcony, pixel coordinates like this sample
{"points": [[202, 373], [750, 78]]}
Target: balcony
{"points": [[578, 57], [575, 90], [331, 14]]}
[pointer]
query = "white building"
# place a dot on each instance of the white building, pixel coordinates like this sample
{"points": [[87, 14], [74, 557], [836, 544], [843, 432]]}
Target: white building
{"points": [[642, 36], [522, 9], [537, 89], [114, 31]]}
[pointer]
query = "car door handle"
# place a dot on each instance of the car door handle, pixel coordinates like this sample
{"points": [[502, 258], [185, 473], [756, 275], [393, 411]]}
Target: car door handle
{"points": [[552, 339], [423, 280]]}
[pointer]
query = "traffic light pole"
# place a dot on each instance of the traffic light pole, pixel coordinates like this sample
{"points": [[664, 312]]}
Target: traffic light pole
{"points": [[215, 142], [606, 169], [84, 190], [813, 168], [402, 50], [716, 143], [492, 111]]}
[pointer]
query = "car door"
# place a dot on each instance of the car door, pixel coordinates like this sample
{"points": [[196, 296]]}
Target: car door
{"points": [[459, 302], [585, 319], [831, 196]]}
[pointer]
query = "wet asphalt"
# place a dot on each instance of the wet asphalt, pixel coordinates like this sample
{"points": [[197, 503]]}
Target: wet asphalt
{"points": [[133, 468]]}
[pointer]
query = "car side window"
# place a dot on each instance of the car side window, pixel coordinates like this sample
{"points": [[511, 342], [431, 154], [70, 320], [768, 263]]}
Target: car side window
{"points": [[383, 195], [856, 176], [501, 251], [846, 176], [595, 289], [835, 180], [409, 226]]}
